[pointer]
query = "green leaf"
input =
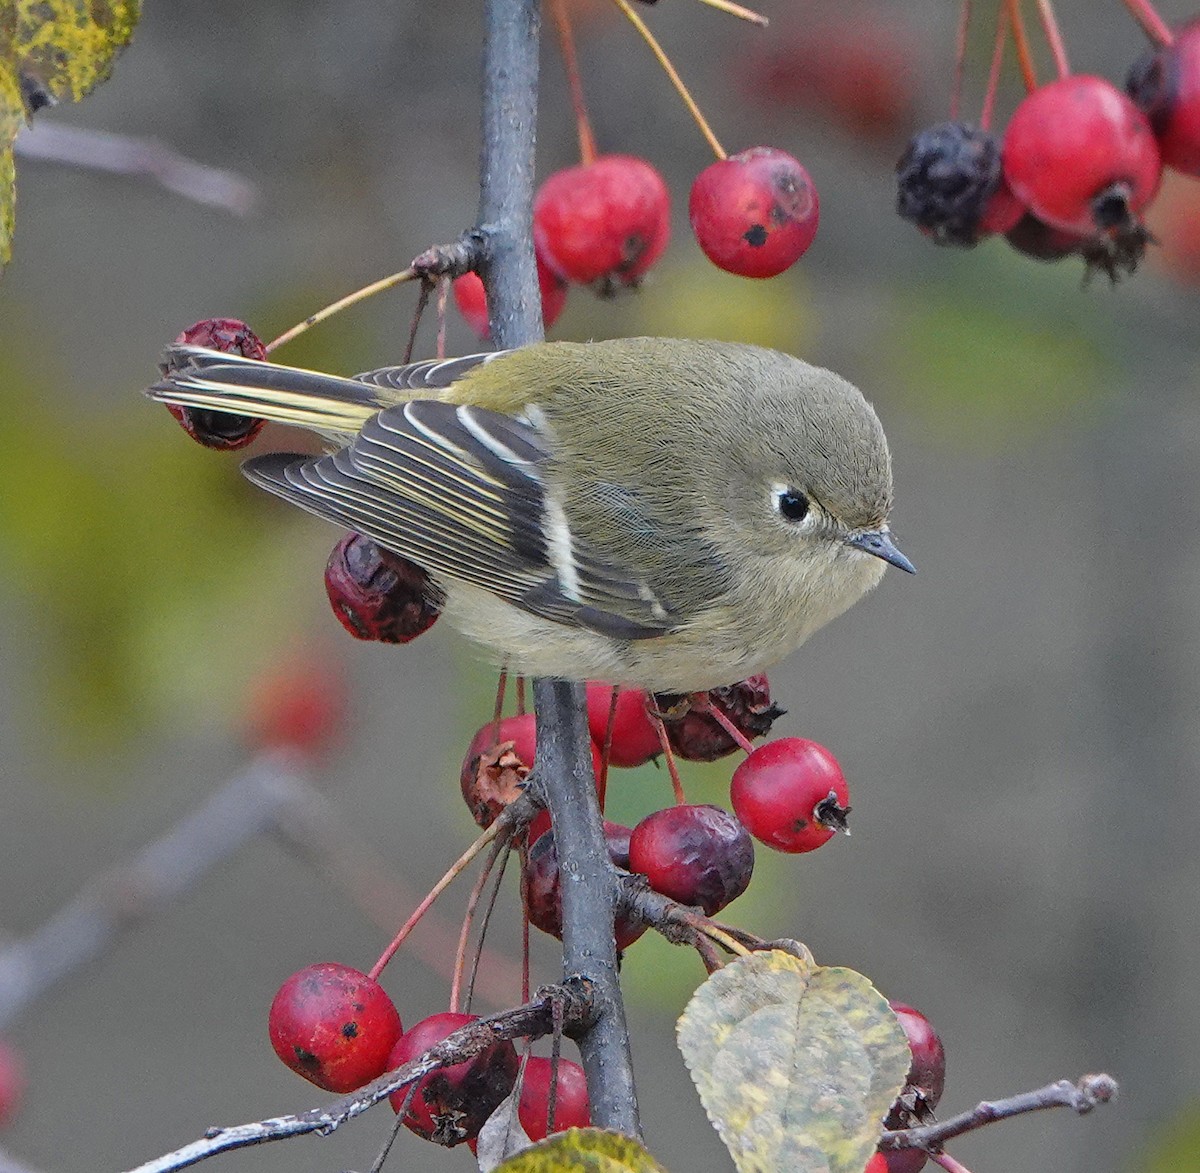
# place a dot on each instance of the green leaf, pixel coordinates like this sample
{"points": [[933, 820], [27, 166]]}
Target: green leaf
{"points": [[587, 1150], [51, 50], [796, 1064]]}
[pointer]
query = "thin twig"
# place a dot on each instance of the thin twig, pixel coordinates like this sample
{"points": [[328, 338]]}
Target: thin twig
{"points": [[1080, 1097], [1054, 37], [1147, 16], [1021, 39], [949, 1163], [120, 154], [384, 283], [671, 72], [566, 45], [737, 10]]}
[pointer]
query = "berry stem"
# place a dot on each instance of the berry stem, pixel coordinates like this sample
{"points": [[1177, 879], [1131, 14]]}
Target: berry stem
{"points": [[738, 11], [566, 45], [993, 84], [673, 74], [443, 294], [718, 715], [668, 755], [350, 299], [454, 871], [418, 313], [460, 954], [1152, 24], [960, 56], [477, 960], [1021, 40], [606, 751], [1054, 37], [948, 1163]]}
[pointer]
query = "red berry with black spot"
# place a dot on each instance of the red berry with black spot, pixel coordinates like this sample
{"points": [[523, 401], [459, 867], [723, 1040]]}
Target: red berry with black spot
{"points": [[634, 735], [452, 1103], [1081, 156], [334, 1025], [1165, 84], [698, 855], [377, 595], [695, 734], [540, 883], [755, 213], [604, 222], [791, 795], [497, 762], [220, 429], [471, 299]]}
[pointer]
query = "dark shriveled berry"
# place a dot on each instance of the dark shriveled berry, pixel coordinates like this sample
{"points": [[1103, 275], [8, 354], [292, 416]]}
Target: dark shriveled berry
{"points": [[378, 595], [945, 178], [697, 736], [219, 429]]}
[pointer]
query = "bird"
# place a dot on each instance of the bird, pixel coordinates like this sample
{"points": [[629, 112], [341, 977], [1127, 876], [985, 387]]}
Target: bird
{"points": [[665, 514]]}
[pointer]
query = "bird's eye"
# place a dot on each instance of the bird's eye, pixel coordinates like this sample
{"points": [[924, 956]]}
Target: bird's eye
{"points": [[792, 504]]}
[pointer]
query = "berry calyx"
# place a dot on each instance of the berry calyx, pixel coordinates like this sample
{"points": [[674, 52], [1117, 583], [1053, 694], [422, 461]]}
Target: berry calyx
{"points": [[791, 795], [697, 736], [540, 884], [220, 429], [334, 1026], [634, 735], [926, 1074], [754, 213], [496, 764], [946, 179], [377, 595], [452, 1104], [604, 222], [1165, 84], [1081, 156], [698, 855], [471, 299]]}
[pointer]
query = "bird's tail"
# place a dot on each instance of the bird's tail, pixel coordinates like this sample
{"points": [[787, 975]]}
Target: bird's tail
{"points": [[193, 376]]}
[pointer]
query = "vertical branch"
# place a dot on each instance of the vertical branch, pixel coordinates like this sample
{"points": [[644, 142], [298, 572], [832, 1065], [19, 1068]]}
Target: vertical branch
{"points": [[564, 763]]}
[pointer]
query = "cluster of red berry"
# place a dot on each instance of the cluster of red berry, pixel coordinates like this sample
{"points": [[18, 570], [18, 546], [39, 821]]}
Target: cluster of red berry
{"points": [[339, 1029], [604, 223], [1076, 168]]}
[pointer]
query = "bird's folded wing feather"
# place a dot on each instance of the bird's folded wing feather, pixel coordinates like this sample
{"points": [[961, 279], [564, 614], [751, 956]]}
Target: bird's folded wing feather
{"points": [[461, 491]]}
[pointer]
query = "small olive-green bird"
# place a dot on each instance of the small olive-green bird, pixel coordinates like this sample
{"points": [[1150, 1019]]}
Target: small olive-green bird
{"points": [[655, 512]]}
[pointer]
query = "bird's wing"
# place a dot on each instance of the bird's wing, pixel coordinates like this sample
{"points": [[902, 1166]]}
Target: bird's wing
{"points": [[194, 376], [433, 374], [461, 492]]}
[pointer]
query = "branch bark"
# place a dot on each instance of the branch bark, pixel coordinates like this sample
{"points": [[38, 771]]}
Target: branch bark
{"points": [[564, 767]]}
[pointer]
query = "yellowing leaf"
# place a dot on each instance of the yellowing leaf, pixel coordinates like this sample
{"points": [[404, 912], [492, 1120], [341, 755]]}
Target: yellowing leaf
{"points": [[51, 50], [796, 1064], [587, 1150]]}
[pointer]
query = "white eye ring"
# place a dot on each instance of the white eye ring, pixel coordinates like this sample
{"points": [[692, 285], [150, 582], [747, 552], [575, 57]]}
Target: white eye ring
{"points": [[793, 505]]}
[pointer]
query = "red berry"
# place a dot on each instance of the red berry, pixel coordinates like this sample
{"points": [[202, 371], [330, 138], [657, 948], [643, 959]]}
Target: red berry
{"points": [[634, 735], [926, 1073], [1165, 83], [1002, 211], [471, 299], [220, 429], [540, 884], [12, 1083], [877, 1164], [571, 1107], [452, 1104], [606, 221], [755, 213], [334, 1025], [791, 794], [300, 704], [897, 1161], [497, 763], [698, 855], [378, 595], [1081, 156], [695, 734]]}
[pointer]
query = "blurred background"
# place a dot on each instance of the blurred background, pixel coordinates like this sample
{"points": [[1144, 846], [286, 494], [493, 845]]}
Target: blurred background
{"points": [[1018, 723]]}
